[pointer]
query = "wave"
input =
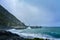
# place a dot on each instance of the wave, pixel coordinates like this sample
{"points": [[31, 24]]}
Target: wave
{"points": [[44, 36], [32, 35], [29, 28], [54, 34]]}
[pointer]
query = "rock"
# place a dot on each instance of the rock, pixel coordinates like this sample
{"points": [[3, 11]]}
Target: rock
{"points": [[5, 35]]}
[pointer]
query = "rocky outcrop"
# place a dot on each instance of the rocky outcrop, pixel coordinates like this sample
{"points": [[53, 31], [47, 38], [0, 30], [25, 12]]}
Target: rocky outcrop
{"points": [[5, 35], [7, 19]]}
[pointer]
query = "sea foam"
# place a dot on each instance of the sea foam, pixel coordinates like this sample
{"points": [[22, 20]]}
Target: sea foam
{"points": [[30, 35]]}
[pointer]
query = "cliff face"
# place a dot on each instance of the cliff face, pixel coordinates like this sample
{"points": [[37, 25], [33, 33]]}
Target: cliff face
{"points": [[7, 19]]}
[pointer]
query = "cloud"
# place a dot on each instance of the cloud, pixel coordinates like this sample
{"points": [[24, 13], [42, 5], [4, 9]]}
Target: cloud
{"points": [[28, 13], [10, 5], [34, 15]]}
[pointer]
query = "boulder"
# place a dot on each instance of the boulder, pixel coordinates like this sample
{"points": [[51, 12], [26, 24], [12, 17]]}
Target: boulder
{"points": [[6, 35]]}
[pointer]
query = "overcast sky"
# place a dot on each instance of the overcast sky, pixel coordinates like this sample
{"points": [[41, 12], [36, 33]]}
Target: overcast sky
{"points": [[35, 12]]}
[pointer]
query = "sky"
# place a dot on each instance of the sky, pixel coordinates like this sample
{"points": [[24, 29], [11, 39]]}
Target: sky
{"points": [[34, 12]]}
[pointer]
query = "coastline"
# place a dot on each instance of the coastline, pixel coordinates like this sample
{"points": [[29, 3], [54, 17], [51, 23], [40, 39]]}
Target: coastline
{"points": [[6, 35], [28, 36]]}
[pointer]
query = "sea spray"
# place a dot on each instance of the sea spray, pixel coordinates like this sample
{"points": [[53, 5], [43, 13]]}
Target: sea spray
{"points": [[29, 28], [37, 33]]}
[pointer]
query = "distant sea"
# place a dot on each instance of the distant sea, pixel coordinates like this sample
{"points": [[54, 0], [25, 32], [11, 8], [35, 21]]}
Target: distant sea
{"points": [[52, 33]]}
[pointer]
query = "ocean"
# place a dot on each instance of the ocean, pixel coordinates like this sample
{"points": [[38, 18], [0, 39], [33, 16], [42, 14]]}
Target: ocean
{"points": [[52, 33]]}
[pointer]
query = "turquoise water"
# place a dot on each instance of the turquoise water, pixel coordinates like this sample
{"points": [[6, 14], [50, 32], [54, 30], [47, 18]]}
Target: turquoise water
{"points": [[52, 31]]}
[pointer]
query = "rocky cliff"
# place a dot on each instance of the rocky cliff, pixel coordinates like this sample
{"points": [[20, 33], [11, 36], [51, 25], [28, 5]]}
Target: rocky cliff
{"points": [[7, 19]]}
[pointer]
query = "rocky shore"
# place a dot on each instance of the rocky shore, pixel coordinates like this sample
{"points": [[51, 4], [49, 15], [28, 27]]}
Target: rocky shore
{"points": [[6, 35]]}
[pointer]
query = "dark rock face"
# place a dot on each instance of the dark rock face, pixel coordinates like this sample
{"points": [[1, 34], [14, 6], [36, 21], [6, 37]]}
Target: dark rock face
{"points": [[5, 35], [7, 19]]}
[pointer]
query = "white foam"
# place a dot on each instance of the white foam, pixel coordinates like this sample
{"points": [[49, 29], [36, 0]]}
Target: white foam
{"points": [[30, 35], [27, 35], [29, 28]]}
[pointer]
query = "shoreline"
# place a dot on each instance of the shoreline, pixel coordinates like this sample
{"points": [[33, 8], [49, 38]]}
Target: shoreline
{"points": [[31, 36], [6, 35]]}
